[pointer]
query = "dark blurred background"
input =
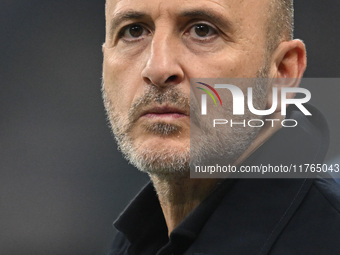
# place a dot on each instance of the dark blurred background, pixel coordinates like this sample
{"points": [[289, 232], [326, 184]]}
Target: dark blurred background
{"points": [[62, 181]]}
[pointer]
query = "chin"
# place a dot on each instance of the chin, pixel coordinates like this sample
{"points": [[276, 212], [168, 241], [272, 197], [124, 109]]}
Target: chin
{"points": [[161, 156]]}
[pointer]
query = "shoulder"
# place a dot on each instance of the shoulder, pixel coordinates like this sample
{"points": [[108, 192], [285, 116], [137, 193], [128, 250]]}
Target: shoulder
{"points": [[315, 226], [329, 192], [119, 245]]}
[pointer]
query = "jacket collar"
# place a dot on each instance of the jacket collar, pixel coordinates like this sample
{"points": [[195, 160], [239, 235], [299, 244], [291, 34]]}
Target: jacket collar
{"points": [[247, 218], [251, 216]]}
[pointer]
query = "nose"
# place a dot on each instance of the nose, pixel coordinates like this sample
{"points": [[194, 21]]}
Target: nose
{"points": [[163, 67]]}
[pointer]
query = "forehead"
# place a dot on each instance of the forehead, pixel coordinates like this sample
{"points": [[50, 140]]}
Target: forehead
{"points": [[242, 12]]}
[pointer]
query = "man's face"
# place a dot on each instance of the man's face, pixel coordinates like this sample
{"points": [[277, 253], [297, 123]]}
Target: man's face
{"points": [[153, 48]]}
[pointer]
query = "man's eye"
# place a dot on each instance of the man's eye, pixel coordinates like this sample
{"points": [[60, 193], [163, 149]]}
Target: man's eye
{"points": [[202, 31], [133, 32]]}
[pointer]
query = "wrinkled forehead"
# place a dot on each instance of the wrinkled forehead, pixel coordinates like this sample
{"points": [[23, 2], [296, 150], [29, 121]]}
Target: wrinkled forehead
{"points": [[243, 13]]}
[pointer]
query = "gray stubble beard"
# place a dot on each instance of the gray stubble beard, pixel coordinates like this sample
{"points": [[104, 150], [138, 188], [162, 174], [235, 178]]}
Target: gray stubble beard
{"points": [[223, 145], [160, 162], [171, 161]]}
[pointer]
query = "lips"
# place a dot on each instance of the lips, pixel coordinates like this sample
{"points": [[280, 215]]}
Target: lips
{"points": [[164, 112]]}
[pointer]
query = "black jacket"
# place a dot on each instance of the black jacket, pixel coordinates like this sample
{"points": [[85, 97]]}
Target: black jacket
{"points": [[249, 216]]}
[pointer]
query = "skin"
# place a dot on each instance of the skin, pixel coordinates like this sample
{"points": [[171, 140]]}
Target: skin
{"points": [[168, 53]]}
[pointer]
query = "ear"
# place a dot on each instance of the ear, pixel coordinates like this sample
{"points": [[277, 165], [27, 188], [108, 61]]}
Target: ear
{"points": [[289, 62], [290, 59]]}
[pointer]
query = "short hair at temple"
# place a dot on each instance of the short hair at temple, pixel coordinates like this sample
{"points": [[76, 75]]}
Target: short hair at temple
{"points": [[280, 22]]}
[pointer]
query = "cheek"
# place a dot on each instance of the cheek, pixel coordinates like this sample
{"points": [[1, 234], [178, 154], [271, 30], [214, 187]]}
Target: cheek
{"points": [[215, 66], [242, 59], [115, 70], [225, 63], [121, 79]]}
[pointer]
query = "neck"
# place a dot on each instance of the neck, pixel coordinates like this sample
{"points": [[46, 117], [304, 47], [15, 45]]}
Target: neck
{"points": [[179, 195]]}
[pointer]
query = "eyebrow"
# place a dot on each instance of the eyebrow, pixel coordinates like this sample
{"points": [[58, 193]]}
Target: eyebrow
{"points": [[198, 14], [124, 16]]}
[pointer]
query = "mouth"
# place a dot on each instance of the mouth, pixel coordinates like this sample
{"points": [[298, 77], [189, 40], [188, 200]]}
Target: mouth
{"points": [[164, 113]]}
